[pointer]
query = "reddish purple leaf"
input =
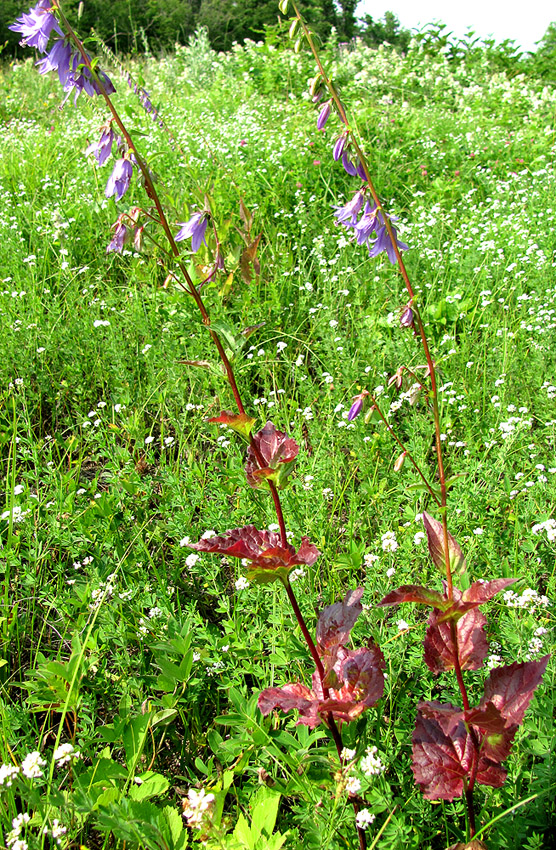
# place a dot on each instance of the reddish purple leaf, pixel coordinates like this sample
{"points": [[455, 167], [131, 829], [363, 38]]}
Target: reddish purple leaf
{"points": [[511, 688], [436, 543], [441, 759], [269, 558], [289, 697], [472, 643], [277, 452], [490, 773], [443, 746], [487, 718], [482, 591], [336, 622], [497, 745], [415, 593], [356, 682], [240, 422]]}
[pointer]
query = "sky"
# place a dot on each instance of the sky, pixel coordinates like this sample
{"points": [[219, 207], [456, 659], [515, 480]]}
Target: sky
{"points": [[524, 22]]}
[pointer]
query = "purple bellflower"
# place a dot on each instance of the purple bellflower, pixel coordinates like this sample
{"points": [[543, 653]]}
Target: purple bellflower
{"points": [[57, 59], [195, 229], [119, 180], [324, 115], [367, 224], [339, 146], [120, 237], [357, 405], [348, 165], [37, 25], [384, 243], [102, 149], [347, 215]]}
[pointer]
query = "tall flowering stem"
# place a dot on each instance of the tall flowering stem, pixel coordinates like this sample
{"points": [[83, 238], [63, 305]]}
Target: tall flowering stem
{"points": [[118, 185], [348, 133], [339, 149]]}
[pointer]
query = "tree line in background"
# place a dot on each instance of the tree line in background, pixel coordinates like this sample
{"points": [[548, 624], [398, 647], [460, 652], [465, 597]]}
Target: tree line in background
{"points": [[128, 26]]}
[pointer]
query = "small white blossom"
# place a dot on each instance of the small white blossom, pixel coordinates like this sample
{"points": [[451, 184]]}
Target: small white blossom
{"points": [[64, 754], [242, 583], [364, 818], [32, 764]]}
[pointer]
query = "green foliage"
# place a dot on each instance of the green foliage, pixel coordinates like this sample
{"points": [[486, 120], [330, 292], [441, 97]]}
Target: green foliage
{"points": [[113, 637]]}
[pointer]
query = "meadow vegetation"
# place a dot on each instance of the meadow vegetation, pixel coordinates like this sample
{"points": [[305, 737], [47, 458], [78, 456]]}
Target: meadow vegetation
{"points": [[148, 658]]}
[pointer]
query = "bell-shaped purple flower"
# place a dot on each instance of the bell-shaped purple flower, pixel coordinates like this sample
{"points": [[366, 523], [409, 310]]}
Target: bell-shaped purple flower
{"points": [[339, 146], [407, 317], [357, 405], [119, 180], [348, 165], [384, 243], [195, 229], [57, 59], [347, 215], [102, 149], [36, 26], [324, 115], [120, 237], [367, 224]]}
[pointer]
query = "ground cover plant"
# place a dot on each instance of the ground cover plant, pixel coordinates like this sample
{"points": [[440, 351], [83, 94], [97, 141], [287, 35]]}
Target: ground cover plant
{"points": [[139, 666]]}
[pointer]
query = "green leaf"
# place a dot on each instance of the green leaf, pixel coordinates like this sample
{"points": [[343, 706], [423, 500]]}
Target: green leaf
{"points": [[153, 786]]}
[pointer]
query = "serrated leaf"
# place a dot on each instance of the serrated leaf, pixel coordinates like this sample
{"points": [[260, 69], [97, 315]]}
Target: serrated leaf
{"points": [[269, 559], [415, 593], [239, 422], [472, 644], [511, 688], [442, 756], [436, 544], [336, 621], [271, 457]]}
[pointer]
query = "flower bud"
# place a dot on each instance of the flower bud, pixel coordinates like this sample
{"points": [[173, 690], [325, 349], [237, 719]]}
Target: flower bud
{"points": [[324, 115], [293, 28], [407, 317], [400, 462]]}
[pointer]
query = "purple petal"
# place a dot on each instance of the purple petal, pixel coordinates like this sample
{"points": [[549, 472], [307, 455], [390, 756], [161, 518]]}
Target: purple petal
{"points": [[324, 115]]}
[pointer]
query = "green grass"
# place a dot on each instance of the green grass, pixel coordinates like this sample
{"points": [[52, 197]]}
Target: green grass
{"points": [[465, 157]]}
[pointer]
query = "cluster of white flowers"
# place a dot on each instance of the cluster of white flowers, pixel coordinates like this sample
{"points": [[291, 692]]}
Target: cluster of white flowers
{"points": [[535, 644], [16, 513], [56, 830], [370, 559], [8, 772], [364, 818], [13, 839], [371, 764], [242, 583], [197, 807], [65, 753], [529, 599], [32, 765], [389, 542], [548, 526], [103, 592]]}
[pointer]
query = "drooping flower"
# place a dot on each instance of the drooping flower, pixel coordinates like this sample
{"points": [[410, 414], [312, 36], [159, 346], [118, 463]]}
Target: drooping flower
{"points": [[367, 224], [324, 115], [357, 405], [347, 215], [36, 26], [102, 149], [339, 146], [57, 59], [348, 165], [407, 317], [120, 237], [195, 229], [119, 180], [384, 243]]}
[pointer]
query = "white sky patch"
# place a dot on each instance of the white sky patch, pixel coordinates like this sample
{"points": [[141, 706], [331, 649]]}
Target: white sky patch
{"points": [[501, 19]]}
